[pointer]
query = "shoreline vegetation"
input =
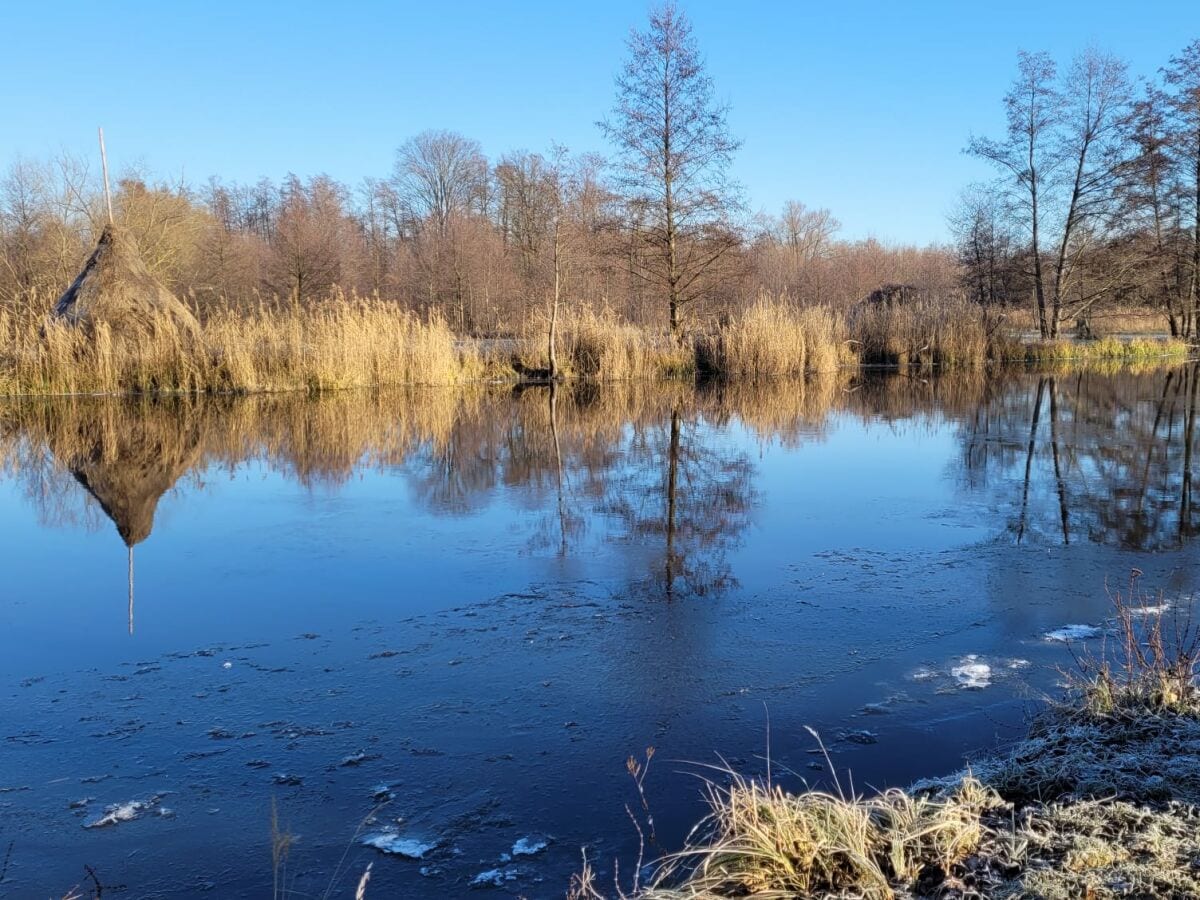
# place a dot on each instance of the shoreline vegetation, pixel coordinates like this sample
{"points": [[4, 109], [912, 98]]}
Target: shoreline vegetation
{"points": [[1099, 800], [354, 342]]}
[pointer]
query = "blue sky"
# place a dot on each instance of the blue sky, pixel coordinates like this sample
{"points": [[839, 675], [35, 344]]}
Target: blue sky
{"points": [[860, 107]]}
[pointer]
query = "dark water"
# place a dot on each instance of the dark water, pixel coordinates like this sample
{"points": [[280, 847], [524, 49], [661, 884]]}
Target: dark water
{"points": [[484, 602]]}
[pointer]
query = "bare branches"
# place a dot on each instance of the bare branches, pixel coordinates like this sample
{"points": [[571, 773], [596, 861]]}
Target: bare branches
{"points": [[674, 151]]}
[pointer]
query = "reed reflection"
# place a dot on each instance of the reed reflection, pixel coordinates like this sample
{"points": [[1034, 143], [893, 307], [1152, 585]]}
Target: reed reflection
{"points": [[664, 476]]}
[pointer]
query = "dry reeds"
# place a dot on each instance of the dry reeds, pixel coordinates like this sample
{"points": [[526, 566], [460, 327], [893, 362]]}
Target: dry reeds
{"points": [[598, 345], [1150, 668], [1110, 350], [349, 341], [343, 342], [948, 333], [770, 340]]}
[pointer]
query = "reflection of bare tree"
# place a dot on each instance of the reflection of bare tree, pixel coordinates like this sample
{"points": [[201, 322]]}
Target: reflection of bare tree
{"points": [[688, 495], [584, 454], [1108, 456]]}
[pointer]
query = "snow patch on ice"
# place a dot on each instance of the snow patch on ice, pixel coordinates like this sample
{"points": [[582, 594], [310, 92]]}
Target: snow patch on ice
{"points": [[497, 877], [117, 813], [1072, 633], [391, 841], [530, 845], [1148, 610], [972, 673]]}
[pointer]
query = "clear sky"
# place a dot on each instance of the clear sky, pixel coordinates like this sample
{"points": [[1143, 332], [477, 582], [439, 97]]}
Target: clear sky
{"points": [[861, 107]]}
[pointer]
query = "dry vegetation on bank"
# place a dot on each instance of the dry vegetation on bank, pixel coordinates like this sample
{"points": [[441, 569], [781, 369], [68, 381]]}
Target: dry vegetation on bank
{"points": [[346, 342], [1102, 799]]}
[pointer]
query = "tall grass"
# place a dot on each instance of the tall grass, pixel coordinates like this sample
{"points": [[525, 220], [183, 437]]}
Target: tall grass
{"points": [[772, 339], [1105, 350], [345, 342], [948, 333], [599, 345]]}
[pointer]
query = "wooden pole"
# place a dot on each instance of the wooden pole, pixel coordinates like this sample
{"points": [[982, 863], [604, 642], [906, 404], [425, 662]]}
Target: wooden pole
{"points": [[131, 590], [104, 166]]}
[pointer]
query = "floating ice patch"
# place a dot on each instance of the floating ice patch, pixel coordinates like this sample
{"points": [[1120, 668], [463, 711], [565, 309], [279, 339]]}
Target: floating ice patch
{"points": [[1018, 664], [1148, 610], [496, 877], [530, 845], [972, 673], [924, 674], [123, 812], [391, 841], [226, 665], [357, 759], [1072, 633]]}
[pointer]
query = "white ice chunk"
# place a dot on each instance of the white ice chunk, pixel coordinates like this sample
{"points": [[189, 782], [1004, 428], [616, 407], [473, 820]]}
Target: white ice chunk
{"points": [[1072, 633], [1148, 610], [972, 673], [390, 841], [495, 877], [124, 812], [530, 845]]}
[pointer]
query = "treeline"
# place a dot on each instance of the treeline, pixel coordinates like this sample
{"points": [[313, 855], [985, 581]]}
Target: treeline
{"points": [[656, 235], [1097, 200], [479, 250]]}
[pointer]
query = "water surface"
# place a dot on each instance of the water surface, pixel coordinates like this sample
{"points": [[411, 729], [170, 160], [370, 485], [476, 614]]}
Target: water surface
{"points": [[473, 607]]}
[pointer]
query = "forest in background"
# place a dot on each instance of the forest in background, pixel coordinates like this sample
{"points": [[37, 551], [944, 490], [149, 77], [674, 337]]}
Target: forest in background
{"points": [[1096, 206]]}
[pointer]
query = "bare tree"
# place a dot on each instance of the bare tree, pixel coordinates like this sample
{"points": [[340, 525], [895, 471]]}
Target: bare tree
{"points": [[985, 244], [1061, 158], [806, 232], [1183, 83], [439, 174], [674, 151], [1024, 154], [1151, 202], [1093, 143], [313, 245]]}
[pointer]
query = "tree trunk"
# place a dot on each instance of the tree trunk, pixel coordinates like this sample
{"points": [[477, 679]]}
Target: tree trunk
{"points": [[552, 337], [1039, 286], [672, 488], [1194, 286], [1058, 475], [1033, 427]]}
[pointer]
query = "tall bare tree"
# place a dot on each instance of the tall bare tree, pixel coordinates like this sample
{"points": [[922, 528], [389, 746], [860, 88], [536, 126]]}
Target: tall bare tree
{"points": [[1062, 156], [1151, 202], [1024, 154], [674, 150], [1182, 76], [1093, 145]]}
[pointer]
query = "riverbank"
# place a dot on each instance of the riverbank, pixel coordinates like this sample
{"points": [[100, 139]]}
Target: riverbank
{"points": [[1101, 799], [349, 342]]}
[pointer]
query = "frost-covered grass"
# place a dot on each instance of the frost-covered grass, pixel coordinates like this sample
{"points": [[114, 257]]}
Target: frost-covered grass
{"points": [[1101, 799]]}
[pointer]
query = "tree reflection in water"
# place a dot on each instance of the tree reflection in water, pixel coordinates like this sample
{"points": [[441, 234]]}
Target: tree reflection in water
{"points": [[1102, 457], [652, 469]]}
